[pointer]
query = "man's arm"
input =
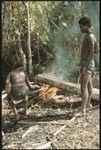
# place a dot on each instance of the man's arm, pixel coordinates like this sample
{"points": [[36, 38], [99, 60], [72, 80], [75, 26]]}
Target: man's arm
{"points": [[28, 83], [8, 84], [90, 43]]}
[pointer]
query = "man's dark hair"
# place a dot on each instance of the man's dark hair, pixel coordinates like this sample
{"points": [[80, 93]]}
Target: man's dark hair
{"points": [[85, 21], [18, 65]]}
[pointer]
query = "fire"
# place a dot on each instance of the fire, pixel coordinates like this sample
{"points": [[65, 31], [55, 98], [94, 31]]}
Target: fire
{"points": [[47, 92]]}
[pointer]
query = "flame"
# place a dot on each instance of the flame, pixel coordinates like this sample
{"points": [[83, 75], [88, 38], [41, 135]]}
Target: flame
{"points": [[47, 92]]}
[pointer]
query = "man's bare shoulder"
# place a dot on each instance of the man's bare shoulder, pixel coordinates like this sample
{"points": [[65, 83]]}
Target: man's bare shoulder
{"points": [[91, 37], [17, 73]]}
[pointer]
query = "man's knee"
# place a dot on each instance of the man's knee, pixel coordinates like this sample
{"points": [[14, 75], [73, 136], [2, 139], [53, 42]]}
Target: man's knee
{"points": [[83, 87], [9, 98], [90, 91]]}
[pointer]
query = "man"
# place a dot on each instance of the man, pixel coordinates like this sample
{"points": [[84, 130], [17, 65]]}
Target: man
{"points": [[86, 64], [17, 86]]}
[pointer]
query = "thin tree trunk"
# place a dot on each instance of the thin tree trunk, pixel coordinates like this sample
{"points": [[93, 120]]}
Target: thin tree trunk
{"points": [[38, 50], [30, 68], [20, 51]]}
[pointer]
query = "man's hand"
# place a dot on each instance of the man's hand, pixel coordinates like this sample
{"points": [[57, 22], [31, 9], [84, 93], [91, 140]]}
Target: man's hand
{"points": [[82, 70], [35, 87]]}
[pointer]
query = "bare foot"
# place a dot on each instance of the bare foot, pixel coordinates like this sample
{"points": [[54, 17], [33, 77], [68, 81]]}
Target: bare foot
{"points": [[80, 113], [17, 116], [89, 106]]}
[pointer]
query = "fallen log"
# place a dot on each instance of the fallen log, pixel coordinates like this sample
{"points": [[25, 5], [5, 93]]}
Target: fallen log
{"points": [[66, 86]]}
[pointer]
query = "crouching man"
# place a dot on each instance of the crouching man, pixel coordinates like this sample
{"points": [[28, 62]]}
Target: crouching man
{"points": [[17, 87]]}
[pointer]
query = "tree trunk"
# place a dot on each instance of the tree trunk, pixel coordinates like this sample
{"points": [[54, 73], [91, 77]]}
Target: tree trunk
{"points": [[20, 51], [30, 68]]}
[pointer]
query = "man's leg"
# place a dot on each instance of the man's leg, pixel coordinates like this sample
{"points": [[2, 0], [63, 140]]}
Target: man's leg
{"points": [[25, 104], [84, 94], [90, 89], [12, 105], [14, 108], [84, 91]]}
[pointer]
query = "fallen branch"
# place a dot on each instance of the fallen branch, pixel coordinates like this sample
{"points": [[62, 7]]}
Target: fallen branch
{"points": [[28, 131], [18, 102], [44, 146], [67, 123], [48, 122], [93, 108], [52, 142]]}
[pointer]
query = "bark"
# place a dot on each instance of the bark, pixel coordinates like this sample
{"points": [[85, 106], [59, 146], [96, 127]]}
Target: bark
{"points": [[20, 51], [30, 67]]}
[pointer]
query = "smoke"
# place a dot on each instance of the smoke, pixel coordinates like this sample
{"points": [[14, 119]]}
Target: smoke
{"points": [[67, 37]]}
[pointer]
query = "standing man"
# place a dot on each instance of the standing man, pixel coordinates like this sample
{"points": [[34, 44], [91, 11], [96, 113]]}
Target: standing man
{"points": [[86, 64]]}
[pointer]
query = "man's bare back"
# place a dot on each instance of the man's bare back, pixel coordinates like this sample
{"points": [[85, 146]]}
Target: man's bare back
{"points": [[18, 77]]}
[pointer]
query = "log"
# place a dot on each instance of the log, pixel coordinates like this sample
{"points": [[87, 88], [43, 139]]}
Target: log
{"points": [[67, 86]]}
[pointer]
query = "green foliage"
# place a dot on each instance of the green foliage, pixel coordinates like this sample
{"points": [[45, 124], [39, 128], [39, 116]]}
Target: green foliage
{"points": [[55, 35]]}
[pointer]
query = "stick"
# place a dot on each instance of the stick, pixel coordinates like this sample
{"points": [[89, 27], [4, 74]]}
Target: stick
{"points": [[48, 122], [44, 146], [52, 142], [29, 130], [93, 108], [18, 102], [59, 130]]}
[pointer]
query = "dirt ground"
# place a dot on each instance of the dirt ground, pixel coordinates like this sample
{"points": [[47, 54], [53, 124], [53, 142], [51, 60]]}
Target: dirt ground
{"points": [[44, 120]]}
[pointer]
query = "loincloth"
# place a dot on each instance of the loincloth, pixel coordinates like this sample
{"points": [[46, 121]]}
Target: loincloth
{"points": [[19, 91]]}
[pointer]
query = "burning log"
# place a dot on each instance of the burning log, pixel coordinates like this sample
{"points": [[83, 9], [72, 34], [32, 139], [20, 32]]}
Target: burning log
{"points": [[47, 92], [66, 86]]}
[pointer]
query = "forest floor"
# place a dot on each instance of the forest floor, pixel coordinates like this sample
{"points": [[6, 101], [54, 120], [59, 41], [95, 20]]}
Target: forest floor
{"points": [[43, 120]]}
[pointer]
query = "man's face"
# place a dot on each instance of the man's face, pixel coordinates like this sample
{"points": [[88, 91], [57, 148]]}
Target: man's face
{"points": [[83, 28]]}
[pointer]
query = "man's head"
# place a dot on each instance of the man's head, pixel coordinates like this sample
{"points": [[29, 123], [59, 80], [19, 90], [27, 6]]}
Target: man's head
{"points": [[18, 65], [85, 24]]}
